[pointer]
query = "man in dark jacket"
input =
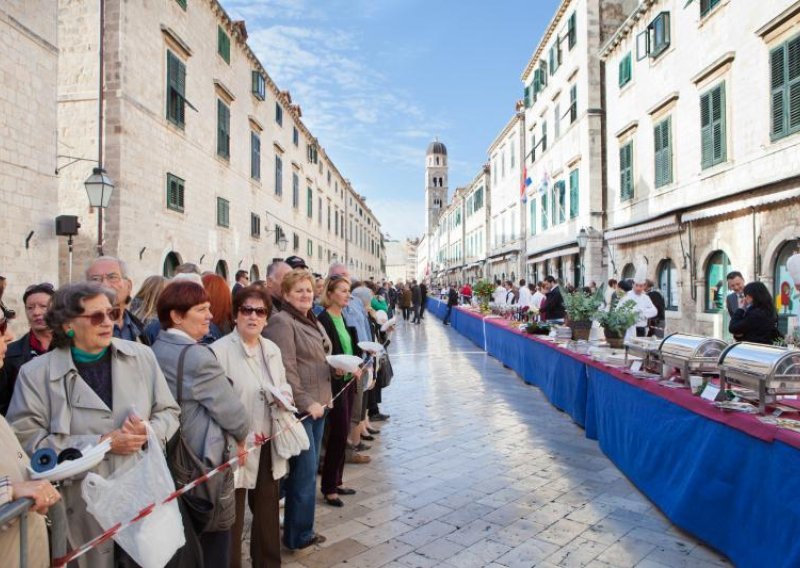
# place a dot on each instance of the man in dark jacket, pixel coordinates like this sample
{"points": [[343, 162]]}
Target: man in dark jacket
{"points": [[423, 290], [34, 343], [655, 326], [416, 300], [553, 305], [452, 300]]}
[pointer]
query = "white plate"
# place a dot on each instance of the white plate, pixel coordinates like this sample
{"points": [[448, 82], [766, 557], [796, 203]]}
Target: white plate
{"points": [[381, 317], [371, 347], [346, 363], [66, 469], [391, 323]]}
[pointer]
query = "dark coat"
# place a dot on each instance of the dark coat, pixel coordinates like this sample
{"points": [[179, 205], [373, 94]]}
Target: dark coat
{"points": [[452, 297], [19, 352], [658, 301], [416, 295], [732, 303], [755, 325], [553, 305]]}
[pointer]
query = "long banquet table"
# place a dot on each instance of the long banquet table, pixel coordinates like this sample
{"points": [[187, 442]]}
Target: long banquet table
{"points": [[726, 478]]}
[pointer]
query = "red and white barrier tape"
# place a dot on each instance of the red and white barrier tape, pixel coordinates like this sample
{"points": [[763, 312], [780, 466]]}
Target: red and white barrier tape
{"points": [[112, 531]]}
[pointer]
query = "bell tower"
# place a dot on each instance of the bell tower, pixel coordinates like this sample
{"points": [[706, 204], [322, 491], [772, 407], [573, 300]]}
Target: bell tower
{"points": [[435, 183]]}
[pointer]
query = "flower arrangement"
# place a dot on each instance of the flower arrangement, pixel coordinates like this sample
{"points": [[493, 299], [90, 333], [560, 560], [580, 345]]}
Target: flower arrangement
{"points": [[483, 290]]}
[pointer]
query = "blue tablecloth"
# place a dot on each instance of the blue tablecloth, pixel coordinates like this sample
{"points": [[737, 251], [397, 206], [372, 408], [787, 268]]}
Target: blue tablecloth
{"points": [[738, 493]]}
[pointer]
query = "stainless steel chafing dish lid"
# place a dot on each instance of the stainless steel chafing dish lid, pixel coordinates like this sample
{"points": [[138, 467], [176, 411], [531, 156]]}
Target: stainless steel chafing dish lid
{"points": [[761, 360], [690, 347]]}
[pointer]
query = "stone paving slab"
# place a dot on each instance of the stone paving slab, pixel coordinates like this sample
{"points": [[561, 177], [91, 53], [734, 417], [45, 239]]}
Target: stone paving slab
{"points": [[477, 469]]}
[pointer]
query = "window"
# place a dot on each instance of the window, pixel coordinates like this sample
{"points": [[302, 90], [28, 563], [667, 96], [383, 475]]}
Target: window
{"points": [[319, 251], [556, 121], [527, 96], [626, 172], [707, 5], [559, 204], [278, 234], [668, 284], [312, 153], [478, 198], [223, 130], [329, 216], [628, 271], [175, 191], [712, 127], [295, 242], [319, 211], [181, 3], [624, 75], [572, 32], [278, 176], [573, 104], [655, 39], [543, 209], [532, 219], [662, 135], [309, 248], [295, 190], [223, 212], [716, 284], [309, 203], [223, 45], [255, 156], [574, 194], [511, 155], [259, 86], [278, 113], [543, 141], [295, 136], [176, 90], [555, 57], [336, 223], [255, 226], [785, 88]]}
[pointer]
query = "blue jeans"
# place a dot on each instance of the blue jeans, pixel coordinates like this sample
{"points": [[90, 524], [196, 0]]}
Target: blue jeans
{"points": [[447, 315], [300, 486]]}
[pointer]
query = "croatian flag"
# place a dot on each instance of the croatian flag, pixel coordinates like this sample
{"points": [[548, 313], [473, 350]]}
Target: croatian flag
{"points": [[524, 185]]}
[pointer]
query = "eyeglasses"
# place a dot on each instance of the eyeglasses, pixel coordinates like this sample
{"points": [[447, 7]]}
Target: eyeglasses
{"points": [[98, 318], [249, 310], [111, 278], [43, 287]]}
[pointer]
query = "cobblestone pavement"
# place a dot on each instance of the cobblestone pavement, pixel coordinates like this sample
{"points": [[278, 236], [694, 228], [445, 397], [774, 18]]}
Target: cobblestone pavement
{"points": [[476, 469]]}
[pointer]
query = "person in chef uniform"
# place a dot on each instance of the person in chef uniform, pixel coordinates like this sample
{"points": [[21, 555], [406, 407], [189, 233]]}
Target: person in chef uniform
{"points": [[644, 305]]}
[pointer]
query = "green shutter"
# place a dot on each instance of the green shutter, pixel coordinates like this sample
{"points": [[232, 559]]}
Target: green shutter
{"points": [[712, 127], [223, 44], [626, 171], [562, 201], [572, 31], [794, 84], [574, 194], [176, 89], [663, 152], [533, 216], [278, 176], [175, 193], [527, 96], [624, 75], [777, 82], [309, 202], [573, 104], [223, 129], [543, 199], [255, 156]]}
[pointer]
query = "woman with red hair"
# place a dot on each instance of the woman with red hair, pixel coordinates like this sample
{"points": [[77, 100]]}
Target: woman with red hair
{"points": [[221, 304]]}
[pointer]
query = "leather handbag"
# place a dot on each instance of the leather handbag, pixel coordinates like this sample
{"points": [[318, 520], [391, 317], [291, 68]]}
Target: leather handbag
{"points": [[200, 502], [385, 372]]}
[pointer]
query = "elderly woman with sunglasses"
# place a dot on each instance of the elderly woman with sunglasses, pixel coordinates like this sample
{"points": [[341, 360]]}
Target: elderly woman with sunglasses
{"points": [[90, 387], [254, 365]]}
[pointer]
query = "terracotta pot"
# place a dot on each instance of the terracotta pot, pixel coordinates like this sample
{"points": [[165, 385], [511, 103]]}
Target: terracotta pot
{"points": [[580, 329], [615, 340]]}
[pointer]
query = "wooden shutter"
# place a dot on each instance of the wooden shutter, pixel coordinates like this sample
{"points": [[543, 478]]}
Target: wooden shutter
{"points": [[571, 31], [527, 96], [543, 198], [255, 156], [712, 127], [626, 171], [278, 175], [176, 89], [777, 83], [707, 144], [574, 194], [223, 129], [223, 44], [663, 152], [793, 88]]}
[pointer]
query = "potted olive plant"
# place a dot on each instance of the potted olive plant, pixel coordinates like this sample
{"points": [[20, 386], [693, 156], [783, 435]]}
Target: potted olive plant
{"points": [[581, 309], [616, 321]]}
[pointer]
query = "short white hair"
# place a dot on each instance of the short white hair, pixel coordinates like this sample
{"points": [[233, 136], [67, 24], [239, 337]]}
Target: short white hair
{"points": [[338, 268], [123, 268]]}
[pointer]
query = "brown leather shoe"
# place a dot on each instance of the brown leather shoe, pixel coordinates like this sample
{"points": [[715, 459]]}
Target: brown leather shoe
{"points": [[357, 458]]}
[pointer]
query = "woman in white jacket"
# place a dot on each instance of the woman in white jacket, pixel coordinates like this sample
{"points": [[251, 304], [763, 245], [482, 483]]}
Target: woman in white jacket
{"points": [[254, 363]]}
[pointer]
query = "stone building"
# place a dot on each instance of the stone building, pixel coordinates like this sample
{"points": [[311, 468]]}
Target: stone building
{"points": [[476, 226], [564, 142], [401, 260], [211, 160], [703, 151], [28, 185], [506, 244]]}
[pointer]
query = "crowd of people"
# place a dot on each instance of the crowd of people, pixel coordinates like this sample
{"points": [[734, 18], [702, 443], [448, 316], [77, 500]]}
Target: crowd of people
{"points": [[214, 373]]}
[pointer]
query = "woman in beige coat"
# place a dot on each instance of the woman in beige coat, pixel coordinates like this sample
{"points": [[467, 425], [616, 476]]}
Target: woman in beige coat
{"points": [[304, 345], [14, 485], [253, 364], [89, 388]]}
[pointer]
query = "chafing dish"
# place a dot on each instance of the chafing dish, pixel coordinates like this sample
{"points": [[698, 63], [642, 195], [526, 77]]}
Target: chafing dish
{"points": [[768, 370], [690, 353], [647, 349]]}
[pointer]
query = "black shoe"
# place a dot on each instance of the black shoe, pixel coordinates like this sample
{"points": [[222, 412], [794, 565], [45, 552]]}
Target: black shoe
{"points": [[379, 417], [373, 431], [361, 447], [345, 491], [316, 539], [367, 438], [333, 502]]}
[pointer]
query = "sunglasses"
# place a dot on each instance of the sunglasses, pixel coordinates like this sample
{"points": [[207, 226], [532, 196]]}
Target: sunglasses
{"points": [[98, 318], [249, 310]]}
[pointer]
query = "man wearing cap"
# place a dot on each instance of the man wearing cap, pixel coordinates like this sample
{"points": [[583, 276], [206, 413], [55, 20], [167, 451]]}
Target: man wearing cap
{"points": [[644, 305], [34, 343]]}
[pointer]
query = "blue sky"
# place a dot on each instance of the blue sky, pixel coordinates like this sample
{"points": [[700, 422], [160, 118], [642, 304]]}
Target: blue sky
{"points": [[378, 80]]}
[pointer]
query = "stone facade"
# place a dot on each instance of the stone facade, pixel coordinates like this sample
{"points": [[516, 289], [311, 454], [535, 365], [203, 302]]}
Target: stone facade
{"points": [[707, 201], [28, 186], [401, 260], [271, 180]]}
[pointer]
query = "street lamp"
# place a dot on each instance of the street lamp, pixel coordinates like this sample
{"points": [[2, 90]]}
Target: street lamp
{"points": [[99, 188], [583, 240]]}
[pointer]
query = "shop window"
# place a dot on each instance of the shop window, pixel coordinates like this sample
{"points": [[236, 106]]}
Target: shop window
{"points": [[716, 284], [668, 284]]}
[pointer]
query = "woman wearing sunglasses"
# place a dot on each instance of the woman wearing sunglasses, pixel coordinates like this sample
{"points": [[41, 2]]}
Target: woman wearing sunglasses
{"points": [[90, 387], [254, 365]]}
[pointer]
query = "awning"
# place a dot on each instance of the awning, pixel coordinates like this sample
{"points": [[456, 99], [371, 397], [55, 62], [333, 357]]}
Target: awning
{"points": [[569, 251], [503, 257], [740, 204], [648, 230]]}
